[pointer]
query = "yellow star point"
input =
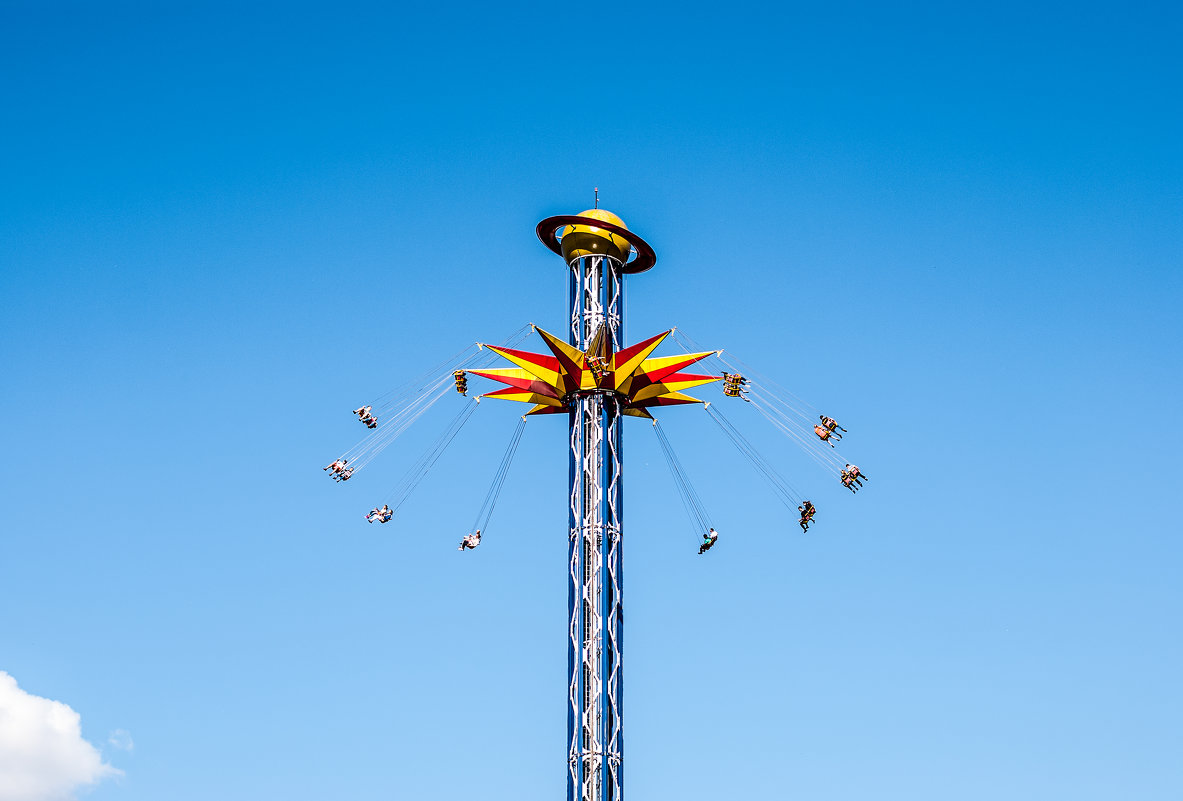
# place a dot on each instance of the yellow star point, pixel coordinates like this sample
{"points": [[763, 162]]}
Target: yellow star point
{"points": [[548, 381]]}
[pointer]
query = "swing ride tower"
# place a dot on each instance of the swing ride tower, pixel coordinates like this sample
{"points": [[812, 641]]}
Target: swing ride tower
{"points": [[596, 380], [597, 260]]}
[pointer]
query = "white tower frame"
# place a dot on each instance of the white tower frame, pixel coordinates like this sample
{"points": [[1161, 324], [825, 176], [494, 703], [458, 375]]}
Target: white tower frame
{"points": [[596, 624]]}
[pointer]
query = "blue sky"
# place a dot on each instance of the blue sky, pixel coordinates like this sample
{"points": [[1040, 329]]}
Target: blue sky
{"points": [[957, 230]]}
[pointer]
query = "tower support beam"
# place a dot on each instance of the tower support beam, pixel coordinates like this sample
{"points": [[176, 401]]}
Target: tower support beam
{"points": [[596, 622]]}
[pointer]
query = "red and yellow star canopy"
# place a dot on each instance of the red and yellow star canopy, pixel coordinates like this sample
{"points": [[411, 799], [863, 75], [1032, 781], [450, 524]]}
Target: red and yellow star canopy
{"points": [[547, 380]]}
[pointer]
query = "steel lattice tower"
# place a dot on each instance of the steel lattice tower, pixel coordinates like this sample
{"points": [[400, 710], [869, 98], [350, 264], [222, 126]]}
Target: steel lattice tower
{"points": [[596, 380], [595, 729], [596, 262]]}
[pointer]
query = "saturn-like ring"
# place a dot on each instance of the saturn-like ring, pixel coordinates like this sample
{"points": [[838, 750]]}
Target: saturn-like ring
{"points": [[548, 230]]}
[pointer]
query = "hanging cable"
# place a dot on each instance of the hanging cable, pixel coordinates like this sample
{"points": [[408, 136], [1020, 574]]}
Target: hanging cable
{"points": [[416, 385], [691, 501], [416, 473], [390, 398], [784, 491], [817, 450], [483, 515], [806, 410], [414, 398], [393, 426], [799, 408], [789, 414]]}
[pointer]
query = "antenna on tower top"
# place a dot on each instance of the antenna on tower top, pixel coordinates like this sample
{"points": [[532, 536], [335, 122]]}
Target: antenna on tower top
{"points": [[597, 189]]}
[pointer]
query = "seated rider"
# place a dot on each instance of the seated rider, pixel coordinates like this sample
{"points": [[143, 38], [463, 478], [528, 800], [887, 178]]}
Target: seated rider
{"points": [[708, 540], [382, 515], [470, 541], [345, 474], [807, 510], [832, 426], [598, 366], [823, 434], [855, 474], [337, 465], [734, 385]]}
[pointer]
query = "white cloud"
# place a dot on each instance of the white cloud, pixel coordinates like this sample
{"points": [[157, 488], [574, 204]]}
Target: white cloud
{"points": [[42, 754], [121, 739]]}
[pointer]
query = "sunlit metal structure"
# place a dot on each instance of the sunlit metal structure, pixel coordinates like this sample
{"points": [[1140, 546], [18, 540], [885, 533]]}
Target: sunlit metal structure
{"points": [[595, 687], [597, 381]]}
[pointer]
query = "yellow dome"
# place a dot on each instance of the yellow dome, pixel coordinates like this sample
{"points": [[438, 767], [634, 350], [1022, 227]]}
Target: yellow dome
{"points": [[586, 240]]}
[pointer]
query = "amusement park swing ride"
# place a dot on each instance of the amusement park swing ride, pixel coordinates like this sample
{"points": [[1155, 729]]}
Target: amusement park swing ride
{"points": [[596, 379]]}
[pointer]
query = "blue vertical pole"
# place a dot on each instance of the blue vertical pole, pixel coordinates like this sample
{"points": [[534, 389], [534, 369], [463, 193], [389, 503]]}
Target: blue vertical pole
{"points": [[596, 621], [613, 546]]}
